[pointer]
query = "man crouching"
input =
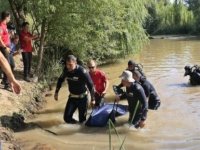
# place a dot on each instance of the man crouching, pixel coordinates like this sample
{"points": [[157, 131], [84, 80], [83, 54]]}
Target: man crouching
{"points": [[137, 103]]}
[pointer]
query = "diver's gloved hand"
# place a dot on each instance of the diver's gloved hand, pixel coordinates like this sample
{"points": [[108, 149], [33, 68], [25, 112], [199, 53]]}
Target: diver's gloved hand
{"points": [[117, 90]]}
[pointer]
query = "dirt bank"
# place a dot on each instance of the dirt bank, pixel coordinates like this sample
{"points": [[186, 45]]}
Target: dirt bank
{"points": [[15, 108]]}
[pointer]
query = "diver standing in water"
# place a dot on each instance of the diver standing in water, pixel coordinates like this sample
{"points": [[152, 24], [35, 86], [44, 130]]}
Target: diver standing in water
{"points": [[137, 102], [150, 92], [78, 81]]}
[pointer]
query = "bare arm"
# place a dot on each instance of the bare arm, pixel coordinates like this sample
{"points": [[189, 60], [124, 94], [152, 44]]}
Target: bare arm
{"points": [[31, 37], [6, 68], [106, 86], [59, 83], [2, 44]]}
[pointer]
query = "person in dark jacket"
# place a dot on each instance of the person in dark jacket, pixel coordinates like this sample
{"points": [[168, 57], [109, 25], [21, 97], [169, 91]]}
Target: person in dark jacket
{"points": [[78, 82], [137, 102], [132, 66], [150, 92]]}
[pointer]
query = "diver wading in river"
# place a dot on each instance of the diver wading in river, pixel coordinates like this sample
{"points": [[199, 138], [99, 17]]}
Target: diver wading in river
{"points": [[194, 73], [150, 92], [137, 102], [132, 66], [78, 81]]}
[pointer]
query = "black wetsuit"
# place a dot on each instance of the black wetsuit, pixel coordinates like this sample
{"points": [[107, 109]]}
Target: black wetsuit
{"points": [[78, 82], [134, 94], [150, 92]]}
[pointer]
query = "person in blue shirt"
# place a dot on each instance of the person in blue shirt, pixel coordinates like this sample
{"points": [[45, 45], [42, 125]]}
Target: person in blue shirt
{"points": [[14, 50]]}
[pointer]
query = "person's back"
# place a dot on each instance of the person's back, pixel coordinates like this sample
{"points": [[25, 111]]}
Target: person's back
{"points": [[148, 87], [150, 92]]}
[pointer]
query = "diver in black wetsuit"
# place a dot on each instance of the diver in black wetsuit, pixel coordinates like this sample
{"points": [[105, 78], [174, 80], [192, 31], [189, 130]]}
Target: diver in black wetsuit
{"points": [[78, 81], [132, 66], [150, 92], [135, 96]]}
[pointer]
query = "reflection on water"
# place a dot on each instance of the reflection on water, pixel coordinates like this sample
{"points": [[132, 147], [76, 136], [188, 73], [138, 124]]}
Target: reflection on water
{"points": [[176, 125]]}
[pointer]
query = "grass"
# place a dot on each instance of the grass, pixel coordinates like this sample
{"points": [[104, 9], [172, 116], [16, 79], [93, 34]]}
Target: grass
{"points": [[112, 127]]}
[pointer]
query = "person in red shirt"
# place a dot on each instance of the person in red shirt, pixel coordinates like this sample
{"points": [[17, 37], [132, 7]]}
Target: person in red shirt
{"points": [[5, 41], [26, 45], [4, 34], [100, 82]]}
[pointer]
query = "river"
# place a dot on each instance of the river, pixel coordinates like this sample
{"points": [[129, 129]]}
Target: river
{"points": [[176, 125]]}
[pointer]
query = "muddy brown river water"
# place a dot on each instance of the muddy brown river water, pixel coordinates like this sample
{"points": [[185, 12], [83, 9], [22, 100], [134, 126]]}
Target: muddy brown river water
{"points": [[176, 125]]}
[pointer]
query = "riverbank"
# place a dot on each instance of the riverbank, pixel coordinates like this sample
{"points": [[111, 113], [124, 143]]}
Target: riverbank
{"points": [[15, 108], [174, 37]]}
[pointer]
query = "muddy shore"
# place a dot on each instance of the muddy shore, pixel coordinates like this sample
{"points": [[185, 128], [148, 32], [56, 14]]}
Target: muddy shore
{"points": [[15, 108]]}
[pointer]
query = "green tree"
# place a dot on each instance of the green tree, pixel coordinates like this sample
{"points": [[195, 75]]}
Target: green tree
{"points": [[165, 17], [4, 5], [104, 30], [194, 6]]}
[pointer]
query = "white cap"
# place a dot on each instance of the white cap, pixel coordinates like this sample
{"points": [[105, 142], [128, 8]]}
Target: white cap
{"points": [[127, 75]]}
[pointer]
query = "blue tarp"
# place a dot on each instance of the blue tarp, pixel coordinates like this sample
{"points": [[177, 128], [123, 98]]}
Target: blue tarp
{"points": [[100, 116]]}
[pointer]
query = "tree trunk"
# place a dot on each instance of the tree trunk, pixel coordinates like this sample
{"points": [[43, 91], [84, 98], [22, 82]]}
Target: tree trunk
{"points": [[41, 48], [16, 14]]}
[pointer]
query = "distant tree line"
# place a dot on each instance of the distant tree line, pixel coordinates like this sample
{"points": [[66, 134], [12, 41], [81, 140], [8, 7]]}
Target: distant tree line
{"points": [[180, 17]]}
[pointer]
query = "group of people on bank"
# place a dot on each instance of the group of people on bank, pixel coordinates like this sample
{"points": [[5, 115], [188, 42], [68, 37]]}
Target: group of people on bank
{"points": [[140, 93], [12, 44]]}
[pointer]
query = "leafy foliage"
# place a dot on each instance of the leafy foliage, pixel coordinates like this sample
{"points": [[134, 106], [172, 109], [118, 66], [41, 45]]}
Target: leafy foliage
{"points": [[168, 18], [194, 6], [104, 30], [4, 5]]}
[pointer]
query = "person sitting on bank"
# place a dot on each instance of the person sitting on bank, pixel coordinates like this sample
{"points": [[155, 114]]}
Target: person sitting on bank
{"points": [[78, 81], [100, 82], [150, 92], [136, 97]]}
